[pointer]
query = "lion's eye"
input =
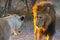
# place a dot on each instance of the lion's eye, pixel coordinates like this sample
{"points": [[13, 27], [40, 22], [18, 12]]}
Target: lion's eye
{"points": [[40, 17]]}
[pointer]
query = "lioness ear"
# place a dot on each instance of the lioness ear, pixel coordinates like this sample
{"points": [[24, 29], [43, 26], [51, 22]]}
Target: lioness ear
{"points": [[22, 18]]}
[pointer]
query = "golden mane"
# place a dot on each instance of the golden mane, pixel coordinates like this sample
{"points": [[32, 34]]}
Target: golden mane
{"points": [[35, 7]]}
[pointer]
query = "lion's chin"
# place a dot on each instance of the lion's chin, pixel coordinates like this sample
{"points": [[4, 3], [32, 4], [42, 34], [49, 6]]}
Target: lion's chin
{"points": [[40, 26]]}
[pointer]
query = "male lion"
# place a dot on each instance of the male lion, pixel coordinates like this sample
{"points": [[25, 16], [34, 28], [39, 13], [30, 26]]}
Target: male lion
{"points": [[44, 19]]}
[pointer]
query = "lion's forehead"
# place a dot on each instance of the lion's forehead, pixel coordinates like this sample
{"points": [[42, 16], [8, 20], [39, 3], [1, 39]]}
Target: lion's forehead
{"points": [[45, 2]]}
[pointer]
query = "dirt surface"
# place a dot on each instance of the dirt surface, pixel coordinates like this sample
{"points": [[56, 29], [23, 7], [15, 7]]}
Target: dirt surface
{"points": [[30, 36]]}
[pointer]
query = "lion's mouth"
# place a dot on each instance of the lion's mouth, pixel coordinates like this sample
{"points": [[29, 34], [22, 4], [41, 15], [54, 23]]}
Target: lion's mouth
{"points": [[40, 24]]}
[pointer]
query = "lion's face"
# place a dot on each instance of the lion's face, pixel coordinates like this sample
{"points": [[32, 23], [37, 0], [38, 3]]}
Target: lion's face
{"points": [[43, 18]]}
